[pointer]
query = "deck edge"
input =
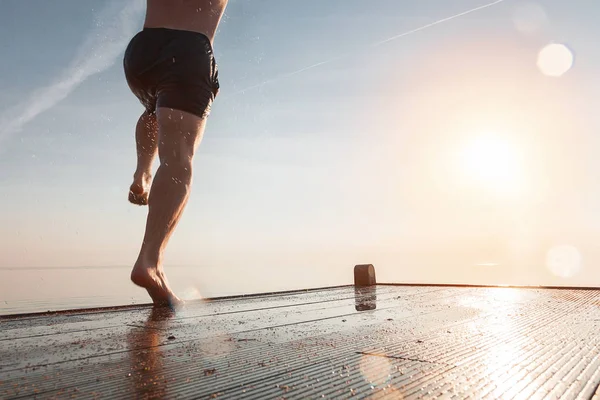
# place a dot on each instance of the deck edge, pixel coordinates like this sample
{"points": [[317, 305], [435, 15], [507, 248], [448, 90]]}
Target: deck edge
{"points": [[99, 310]]}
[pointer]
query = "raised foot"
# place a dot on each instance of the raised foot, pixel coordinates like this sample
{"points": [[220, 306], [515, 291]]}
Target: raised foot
{"points": [[156, 284], [139, 189]]}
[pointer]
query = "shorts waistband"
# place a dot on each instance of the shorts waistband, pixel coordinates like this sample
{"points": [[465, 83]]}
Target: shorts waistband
{"points": [[179, 32]]}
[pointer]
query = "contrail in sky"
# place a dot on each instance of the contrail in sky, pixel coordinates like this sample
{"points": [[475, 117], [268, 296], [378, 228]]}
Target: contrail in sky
{"points": [[113, 28], [390, 39]]}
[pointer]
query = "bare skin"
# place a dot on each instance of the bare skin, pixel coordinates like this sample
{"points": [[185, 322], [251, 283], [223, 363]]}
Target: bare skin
{"points": [[146, 133], [174, 135], [190, 15]]}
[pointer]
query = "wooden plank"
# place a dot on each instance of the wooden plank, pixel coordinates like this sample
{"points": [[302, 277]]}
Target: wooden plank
{"points": [[60, 347], [446, 342]]}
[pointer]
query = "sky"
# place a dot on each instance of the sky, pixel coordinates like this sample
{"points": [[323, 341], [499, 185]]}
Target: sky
{"points": [[441, 149]]}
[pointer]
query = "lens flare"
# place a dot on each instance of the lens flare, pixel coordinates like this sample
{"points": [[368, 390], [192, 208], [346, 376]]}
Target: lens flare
{"points": [[529, 18], [555, 60], [376, 370], [564, 261]]}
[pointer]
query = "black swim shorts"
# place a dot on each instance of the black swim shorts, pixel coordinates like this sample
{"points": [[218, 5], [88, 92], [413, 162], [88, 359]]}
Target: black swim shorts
{"points": [[172, 68]]}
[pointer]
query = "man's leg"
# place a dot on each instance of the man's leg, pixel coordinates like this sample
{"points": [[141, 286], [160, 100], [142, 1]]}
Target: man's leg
{"points": [[179, 134], [146, 132]]}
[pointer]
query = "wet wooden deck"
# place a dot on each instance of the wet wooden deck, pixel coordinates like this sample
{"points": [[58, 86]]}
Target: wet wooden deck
{"points": [[379, 342]]}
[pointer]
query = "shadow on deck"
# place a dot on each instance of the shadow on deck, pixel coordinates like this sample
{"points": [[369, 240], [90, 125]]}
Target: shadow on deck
{"points": [[375, 342]]}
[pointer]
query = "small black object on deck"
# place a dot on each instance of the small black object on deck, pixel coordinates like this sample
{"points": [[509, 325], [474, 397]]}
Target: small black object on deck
{"points": [[364, 275]]}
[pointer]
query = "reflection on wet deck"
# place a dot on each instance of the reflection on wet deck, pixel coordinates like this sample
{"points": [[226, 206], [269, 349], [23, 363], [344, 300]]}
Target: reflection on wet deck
{"points": [[383, 341]]}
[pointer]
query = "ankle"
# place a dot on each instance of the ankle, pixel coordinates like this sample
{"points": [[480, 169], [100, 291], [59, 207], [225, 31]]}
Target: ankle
{"points": [[144, 175], [148, 262]]}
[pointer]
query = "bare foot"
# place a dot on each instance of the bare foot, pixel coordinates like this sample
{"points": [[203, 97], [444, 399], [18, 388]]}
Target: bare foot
{"points": [[155, 282], [139, 189]]}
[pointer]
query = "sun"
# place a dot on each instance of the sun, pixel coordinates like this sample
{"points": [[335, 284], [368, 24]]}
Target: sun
{"points": [[491, 161]]}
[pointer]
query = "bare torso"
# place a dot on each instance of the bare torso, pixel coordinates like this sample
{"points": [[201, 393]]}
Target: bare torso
{"points": [[191, 15]]}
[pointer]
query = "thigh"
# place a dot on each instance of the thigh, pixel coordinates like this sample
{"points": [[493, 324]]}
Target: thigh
{"points": [[179, 134]]}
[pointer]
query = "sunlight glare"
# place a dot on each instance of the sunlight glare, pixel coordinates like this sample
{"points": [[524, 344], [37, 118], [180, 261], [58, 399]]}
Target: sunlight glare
{"points": [[509, 295], [492, 162], [555, 60], [504, 358], [487, 264]]}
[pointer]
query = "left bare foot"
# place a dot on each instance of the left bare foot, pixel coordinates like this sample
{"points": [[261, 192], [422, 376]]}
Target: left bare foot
{"points": [[155, 282], [139, 189]]}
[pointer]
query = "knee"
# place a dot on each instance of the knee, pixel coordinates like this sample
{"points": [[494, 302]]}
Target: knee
{"points": [[148, 120], [175, 154]]}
